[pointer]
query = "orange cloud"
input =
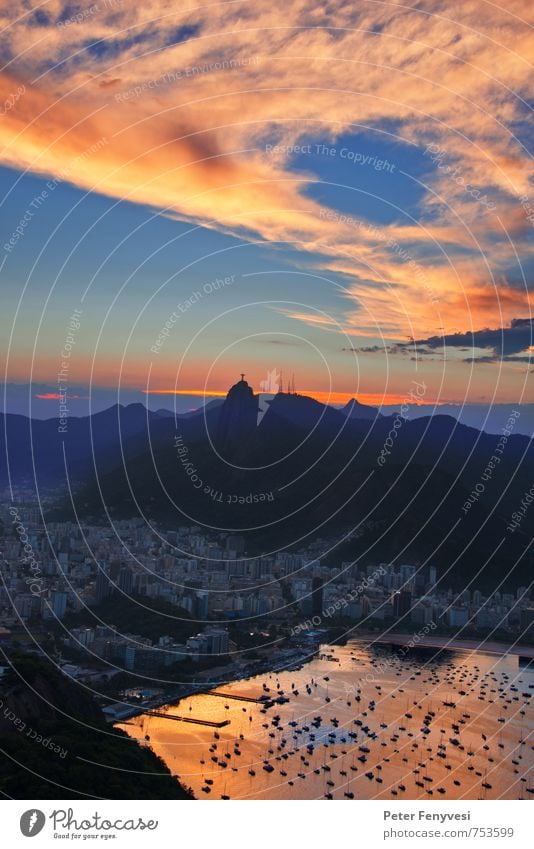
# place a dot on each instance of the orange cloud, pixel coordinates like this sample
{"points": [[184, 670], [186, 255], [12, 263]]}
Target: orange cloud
{"points": [[55, 396], [172, 108]]}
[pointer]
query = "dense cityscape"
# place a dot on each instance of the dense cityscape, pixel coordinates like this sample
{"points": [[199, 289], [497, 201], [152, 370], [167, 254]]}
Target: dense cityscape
{"points": [[215, 594]]}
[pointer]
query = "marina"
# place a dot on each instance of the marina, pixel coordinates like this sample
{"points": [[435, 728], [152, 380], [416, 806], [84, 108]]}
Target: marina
{"points": [[358, 722]]}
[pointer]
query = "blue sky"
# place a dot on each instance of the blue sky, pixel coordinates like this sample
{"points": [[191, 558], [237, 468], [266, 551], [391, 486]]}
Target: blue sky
{"points": [[395, 205]]}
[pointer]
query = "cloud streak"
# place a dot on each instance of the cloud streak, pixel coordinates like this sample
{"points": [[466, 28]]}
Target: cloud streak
{"points": [[192, 141]]}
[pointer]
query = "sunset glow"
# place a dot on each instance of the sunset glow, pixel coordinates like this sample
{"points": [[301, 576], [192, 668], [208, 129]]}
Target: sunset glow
{"points": [[323, 397], [367, 162]]}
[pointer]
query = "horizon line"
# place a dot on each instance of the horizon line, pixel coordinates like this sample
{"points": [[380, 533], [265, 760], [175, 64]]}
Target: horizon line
{"points": [[333, 397]]}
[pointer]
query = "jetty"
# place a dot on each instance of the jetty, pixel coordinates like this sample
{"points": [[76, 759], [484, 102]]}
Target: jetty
{"points": [[192, 719]]}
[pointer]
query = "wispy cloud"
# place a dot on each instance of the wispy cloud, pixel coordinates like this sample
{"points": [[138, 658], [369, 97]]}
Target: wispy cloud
{"points": [[172, 107]]}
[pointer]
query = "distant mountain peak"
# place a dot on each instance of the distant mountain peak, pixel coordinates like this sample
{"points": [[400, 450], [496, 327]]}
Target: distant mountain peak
{"points": [[241, 389], [353, 409]]}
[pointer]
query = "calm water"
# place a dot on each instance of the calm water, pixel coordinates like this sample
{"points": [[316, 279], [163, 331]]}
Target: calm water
{"points": [[364, 724]]}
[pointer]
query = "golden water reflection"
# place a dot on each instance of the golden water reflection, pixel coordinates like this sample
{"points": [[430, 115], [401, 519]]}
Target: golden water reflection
{"points": [[365, 724]]}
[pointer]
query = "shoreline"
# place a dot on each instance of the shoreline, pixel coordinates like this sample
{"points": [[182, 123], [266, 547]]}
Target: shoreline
{"points": [[447, 644], [122, 712]]}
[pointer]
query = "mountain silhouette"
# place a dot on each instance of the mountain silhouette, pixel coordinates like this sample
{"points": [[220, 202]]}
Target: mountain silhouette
{"points": [[354, 410], [306, 470], [238, 416]]}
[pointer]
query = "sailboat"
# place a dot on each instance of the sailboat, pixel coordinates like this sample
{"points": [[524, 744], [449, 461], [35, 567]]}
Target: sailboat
{"points": [[348, 792]]}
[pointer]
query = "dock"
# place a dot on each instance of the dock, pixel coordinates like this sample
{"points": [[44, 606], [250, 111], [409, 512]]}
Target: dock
{"points": [[192, 719], [233, 696]]}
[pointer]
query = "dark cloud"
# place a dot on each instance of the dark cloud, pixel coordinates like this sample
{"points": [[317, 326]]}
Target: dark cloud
{"points": [[277, 341], [372, 349], [503, 343]]}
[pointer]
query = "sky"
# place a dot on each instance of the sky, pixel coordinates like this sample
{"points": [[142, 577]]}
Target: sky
{"points": [[341, 192]]}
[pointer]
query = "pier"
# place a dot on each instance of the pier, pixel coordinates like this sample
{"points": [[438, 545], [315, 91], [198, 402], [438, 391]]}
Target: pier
{"points": [[192, 719], [232, 696]]}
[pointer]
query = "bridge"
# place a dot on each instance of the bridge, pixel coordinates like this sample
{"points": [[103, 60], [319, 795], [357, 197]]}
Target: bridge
{"points": [[192, 719]]}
